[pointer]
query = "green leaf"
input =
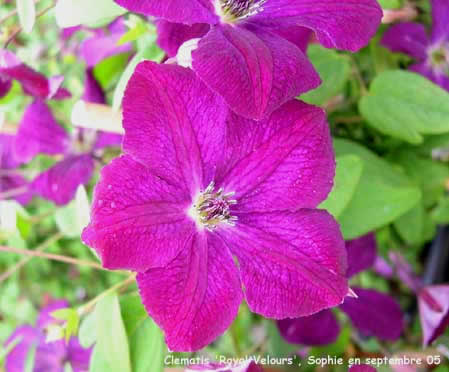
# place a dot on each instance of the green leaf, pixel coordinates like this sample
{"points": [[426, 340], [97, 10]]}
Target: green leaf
{"points": [[133, 33], [71, 13], [406, 105], [151, 52], [87, 334], [74, 217], [133, 312], [30, 358], [97, 362], [27, 14], [440, 214], [147, 347], [382, 195], [334, 70], [347, 177], [112, 340], [410, 225], [71, 318]]}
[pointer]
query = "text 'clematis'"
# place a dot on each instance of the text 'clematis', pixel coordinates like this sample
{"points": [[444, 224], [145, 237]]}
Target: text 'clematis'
{"points": [[205, 202], [251, 51]]}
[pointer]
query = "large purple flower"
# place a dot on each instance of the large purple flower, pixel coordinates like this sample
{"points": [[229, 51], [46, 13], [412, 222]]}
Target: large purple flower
{"points": [[40, 133], [48, 357], [250, 55], [200, 189], [373, 313], [10, 177], [33, 82], [431, 52]]}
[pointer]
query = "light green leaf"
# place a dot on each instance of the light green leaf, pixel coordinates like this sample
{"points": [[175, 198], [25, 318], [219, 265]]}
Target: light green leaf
{"points": [[347, 177], [147, 347], [382, 195], [74, 217], [27, 14], [88, 332], [334, 70], [112, 340], [71, 13], [406, 105], [97, 362]]}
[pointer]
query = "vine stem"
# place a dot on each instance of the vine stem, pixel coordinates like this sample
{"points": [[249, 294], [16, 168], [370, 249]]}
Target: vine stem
{"points": [[19, 29], [84, 309], [51, 256], [25, 260]]}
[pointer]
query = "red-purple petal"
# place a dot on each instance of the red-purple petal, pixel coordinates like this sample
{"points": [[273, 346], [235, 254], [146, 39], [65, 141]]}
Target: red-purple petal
{"points": [[285, 162], [409, 38], [374, 314], [77, 356], [342, 24], [138, 220], [39, 133], [179, 11], [168, 107], [15, 360], [14, 181], [253, 70], [195, 298], [33, 83], [5, 86], [434, 311], [45, 318], [362, 254], [172, 35], [318, 329], [59, 183], [292, 264], [440, 17]]}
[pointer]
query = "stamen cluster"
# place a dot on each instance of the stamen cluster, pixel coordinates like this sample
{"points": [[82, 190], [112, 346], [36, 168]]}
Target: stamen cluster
{"points": [[211, 208], [240, 9]]}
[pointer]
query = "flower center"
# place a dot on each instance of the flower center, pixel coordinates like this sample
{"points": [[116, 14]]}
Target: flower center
{"points": [[232, 11], [439, 58], [212, 208], [82, 140]]}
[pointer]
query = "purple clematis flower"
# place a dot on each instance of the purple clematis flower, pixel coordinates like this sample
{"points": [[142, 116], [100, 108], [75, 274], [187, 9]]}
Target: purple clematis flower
{"points": [[431, 52], [245, 49], [40, 133], [373, 313], [33, 83], [10, 177], [49, 356], [244, 367], [433, 300], [200, 189]]}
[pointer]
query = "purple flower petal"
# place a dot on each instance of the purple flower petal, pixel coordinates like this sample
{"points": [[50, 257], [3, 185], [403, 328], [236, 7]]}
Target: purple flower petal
{"points": [[8, 160], [434, 311], [50, 356], [253, 70], [77, 356], [167, 106], [5, 86], [45, 317], [300, 36], [362, 254], [99, 47], [92, 90], [409, 38], [342, 24], [374, 314], [138, 220], [33, 83], [318, 329], [440, 16], [105, 139], [196, 297], [14, 181], [179, 11], [39, 133], [59, 183], [426, 70], [16, 358], [285, 162], [292, 264], [172, 35]]}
